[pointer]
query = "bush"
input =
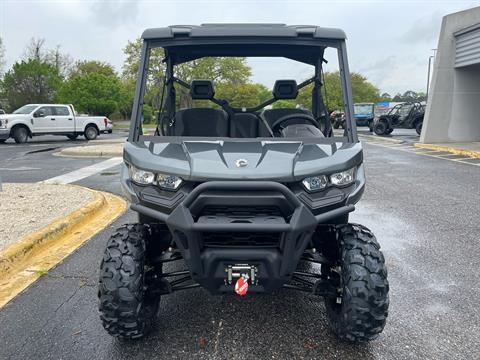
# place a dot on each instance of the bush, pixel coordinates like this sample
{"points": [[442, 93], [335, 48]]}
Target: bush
{"points": [[147, 114]]}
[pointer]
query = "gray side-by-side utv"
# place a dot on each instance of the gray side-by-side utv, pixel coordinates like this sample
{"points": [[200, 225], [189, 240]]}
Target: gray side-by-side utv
{"points": [[248, 199]]}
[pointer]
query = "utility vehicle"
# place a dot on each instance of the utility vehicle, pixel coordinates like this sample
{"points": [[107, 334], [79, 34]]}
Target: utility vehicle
{"points": [[248, 199], [407, 115], [51, 119], [363, 113]]}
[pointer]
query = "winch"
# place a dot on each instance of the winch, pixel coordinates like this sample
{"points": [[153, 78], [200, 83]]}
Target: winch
{"points": [[241, 270]]}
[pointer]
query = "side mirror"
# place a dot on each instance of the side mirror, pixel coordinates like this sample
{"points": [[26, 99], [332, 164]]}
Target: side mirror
{"points": [[39, 113]]}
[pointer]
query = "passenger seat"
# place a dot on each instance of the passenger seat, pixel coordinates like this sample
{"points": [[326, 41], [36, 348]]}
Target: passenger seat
{"points": [[202, 122], [244, 125]]}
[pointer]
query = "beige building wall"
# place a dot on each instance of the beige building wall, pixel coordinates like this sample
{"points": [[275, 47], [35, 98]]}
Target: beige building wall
{"points": [[453, 106]]}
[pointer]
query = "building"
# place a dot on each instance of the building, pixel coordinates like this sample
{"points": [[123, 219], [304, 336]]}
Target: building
{"points": [[453, 106]]}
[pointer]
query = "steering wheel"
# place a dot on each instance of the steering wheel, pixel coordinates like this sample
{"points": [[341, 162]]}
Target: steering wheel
{"points": [[277, 124]]}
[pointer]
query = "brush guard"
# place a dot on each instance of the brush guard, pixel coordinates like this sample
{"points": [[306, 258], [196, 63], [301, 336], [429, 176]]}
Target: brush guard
{"points": [[275, 262]]}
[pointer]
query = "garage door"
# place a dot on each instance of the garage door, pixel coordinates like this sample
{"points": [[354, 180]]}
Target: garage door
{"points": [[467, 43]]}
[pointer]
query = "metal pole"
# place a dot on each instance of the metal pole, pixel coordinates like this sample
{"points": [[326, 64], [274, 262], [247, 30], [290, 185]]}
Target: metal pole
{"points": [[429, 66], [428, 73]]}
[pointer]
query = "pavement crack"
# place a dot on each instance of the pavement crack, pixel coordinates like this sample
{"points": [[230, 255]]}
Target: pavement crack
{"points": [[67, 300]]}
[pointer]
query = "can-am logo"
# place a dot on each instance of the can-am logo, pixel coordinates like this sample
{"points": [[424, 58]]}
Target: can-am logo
{"points": [[241, 163]]}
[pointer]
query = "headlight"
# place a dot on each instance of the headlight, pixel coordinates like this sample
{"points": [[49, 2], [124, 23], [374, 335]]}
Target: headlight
{"points": [[315, 183], [168, 182], [320, 182], [140, 176], [343, 178]]}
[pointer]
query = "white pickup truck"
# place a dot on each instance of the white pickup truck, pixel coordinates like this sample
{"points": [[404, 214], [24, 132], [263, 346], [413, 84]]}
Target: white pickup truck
{"points": [[55, 119]]}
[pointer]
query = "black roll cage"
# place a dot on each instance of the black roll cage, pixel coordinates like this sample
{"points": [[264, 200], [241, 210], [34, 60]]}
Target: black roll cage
{"points": [[170, 79]]}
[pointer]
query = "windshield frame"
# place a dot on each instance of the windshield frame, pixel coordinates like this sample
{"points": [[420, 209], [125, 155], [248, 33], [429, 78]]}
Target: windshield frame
{"points": [[149, 44]]}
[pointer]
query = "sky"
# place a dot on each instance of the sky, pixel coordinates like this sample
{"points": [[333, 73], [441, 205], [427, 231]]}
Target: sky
{"points": [[388, 41]]}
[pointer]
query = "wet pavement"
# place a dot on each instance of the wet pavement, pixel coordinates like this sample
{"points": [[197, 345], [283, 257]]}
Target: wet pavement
{"points": [[425, 213]]}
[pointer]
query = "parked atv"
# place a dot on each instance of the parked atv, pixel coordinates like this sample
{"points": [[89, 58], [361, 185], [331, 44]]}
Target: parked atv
{"points": [[407, 116], [337, 119], [242, 195]]}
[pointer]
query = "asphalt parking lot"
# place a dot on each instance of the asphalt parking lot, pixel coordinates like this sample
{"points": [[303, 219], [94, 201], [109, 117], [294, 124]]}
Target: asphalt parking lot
{"points": [[424, 211]]}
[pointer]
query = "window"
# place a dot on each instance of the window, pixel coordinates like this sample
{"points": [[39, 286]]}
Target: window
{"points": [[61, 111], [46, 110]]}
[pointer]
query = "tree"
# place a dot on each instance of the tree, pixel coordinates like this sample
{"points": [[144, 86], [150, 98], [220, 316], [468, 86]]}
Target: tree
{"points": [[125, 101], [233, 70], [63, 62], [31, 81], [362, 91], [93, 88], [386, 97], [240, 95], [36, 50], [85, 67], [264, 93]]}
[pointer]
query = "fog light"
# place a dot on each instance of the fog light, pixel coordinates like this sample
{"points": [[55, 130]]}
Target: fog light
{"points": [[343, 178], [315, 183]]}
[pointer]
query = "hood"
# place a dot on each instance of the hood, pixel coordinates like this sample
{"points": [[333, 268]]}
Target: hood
{"points": [[12, 117], [243, 160]]}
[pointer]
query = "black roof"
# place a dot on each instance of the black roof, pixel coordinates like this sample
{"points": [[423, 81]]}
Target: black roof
{"points": [[244, 30], [304, 43]]}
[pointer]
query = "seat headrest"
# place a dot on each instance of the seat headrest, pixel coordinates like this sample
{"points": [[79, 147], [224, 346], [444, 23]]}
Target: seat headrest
{"points": [[285, 89], [202, 90]]}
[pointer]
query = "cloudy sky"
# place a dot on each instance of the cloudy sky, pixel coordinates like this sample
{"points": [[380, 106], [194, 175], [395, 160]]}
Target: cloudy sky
{"points": [[388, 41]]}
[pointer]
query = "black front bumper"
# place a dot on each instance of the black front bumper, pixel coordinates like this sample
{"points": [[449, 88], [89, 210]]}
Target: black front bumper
{"points": [[270, 231], [4, 134]]}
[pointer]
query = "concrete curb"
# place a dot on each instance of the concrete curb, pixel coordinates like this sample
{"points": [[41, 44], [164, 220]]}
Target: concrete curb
{"points": [[24, 261], [106, 150], [21, 249], [457, 151]]}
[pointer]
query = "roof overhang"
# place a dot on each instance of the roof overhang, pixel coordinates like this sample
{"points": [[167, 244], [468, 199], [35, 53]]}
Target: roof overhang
{"points": [[302, 43]]}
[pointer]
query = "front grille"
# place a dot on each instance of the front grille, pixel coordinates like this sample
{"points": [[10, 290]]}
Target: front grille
{"points": [[241, 211], [241, 239]]}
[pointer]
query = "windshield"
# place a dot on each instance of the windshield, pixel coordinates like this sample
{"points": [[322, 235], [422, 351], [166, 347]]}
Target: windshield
{"points": [[26, 109], [363, 109]]}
